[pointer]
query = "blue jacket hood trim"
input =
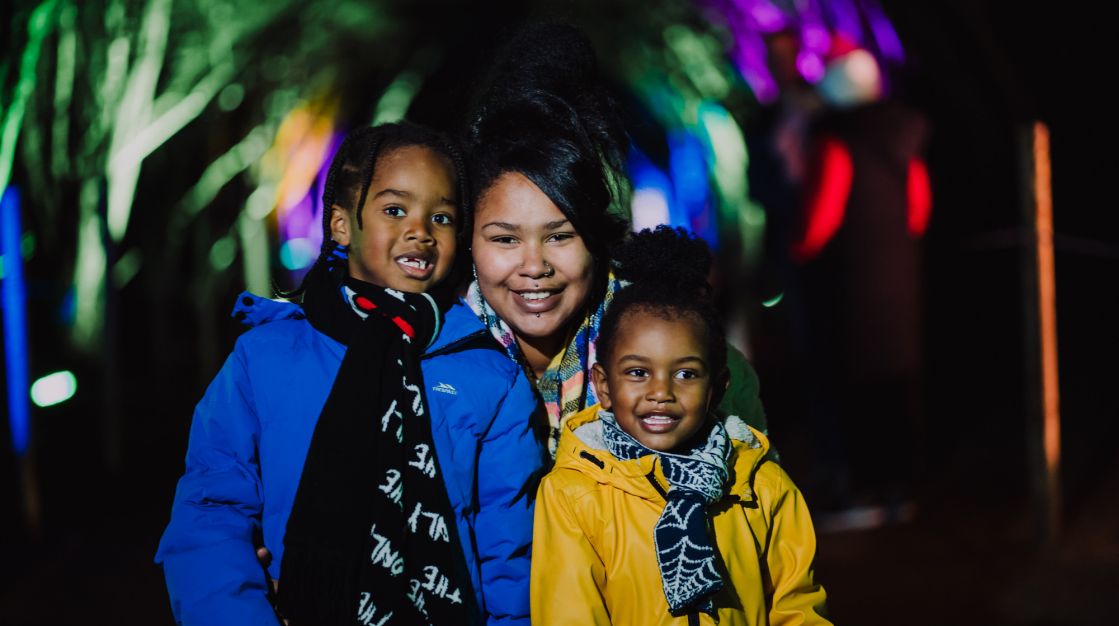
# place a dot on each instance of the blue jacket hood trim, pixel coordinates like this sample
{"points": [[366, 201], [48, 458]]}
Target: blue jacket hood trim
{"points": [[253, 310]]}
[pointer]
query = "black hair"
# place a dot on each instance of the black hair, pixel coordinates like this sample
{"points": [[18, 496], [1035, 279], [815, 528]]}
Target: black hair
{"points": [[543, 112], [667, 269], [351, 174]]}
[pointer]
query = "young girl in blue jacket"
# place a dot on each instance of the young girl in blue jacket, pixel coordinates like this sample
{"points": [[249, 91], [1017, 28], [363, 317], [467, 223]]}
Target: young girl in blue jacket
{"points": [[380, 449]]}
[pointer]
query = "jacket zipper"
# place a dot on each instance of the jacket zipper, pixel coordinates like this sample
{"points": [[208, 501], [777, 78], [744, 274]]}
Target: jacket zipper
{"points": [[656, 485]]}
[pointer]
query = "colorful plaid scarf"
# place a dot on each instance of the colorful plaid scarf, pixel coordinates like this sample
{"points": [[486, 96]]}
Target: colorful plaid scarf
{"points": [[565, 387]]}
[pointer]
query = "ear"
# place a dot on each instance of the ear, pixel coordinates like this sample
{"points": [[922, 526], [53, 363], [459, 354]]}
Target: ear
{"points": [[340, 225], [719, 388], [601, 387]]}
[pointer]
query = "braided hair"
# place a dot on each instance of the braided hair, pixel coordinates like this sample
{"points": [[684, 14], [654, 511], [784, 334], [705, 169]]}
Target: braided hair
{"points": [[542, 112], [351, 174], [667, 269]]}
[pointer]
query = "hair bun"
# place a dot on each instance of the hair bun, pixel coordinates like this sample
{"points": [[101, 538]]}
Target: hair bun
{"points": [[550, 57], [547, 75], [667, 256]]}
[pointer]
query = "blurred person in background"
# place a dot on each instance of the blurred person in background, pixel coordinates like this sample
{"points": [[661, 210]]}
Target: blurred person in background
{"points": [[858, 292]]}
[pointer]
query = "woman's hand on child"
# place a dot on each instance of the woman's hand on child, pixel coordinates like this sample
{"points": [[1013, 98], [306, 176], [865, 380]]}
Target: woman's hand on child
{"points": [[264, 555]]}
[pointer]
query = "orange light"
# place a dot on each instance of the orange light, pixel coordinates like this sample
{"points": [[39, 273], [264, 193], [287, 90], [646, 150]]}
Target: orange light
{"points": [[1047, 302]]}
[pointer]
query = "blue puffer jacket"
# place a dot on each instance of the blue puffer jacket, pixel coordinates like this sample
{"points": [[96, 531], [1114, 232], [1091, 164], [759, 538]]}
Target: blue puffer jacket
{"points": [[250, 436]]}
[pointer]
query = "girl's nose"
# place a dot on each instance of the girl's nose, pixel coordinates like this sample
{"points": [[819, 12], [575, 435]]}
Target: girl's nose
{"points": [[660, 390]]}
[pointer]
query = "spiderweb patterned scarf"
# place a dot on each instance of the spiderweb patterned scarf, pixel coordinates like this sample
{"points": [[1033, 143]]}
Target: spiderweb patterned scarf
{"points": [[697, 478]]}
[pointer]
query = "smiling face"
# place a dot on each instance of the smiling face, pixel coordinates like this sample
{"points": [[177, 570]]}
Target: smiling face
{"points": [[533, 267], [408, 233], [657, 379]]}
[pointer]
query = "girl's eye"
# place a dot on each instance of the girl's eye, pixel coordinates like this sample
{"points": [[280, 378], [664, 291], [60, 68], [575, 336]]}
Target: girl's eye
{"points": [[394, 211], [687, 374], [443, 219], [560, 236], [504, 239], [637, 372]]}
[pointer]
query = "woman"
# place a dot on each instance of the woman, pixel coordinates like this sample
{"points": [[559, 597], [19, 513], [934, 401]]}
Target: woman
{"points": [[546, 155]]}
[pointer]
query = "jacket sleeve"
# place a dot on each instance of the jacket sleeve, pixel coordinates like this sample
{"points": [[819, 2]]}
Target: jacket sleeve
{"points": [[207, 551], [510, 461], [567, 574], [796, 599]]}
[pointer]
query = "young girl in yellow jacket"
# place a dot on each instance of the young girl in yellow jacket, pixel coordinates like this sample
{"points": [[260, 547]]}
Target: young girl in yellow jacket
{"points": [[656, 512]]}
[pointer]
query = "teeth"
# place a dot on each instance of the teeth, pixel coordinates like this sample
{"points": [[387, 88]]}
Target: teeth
{"points": [[416, 263], [535, 295], [657, 419]]}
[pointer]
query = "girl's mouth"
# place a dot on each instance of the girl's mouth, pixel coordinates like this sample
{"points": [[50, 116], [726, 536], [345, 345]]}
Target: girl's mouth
{"points": [[658, 422]]}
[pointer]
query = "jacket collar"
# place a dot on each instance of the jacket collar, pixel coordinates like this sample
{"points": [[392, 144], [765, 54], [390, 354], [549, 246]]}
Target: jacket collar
{"points": [[458, 323], [580, 449]]}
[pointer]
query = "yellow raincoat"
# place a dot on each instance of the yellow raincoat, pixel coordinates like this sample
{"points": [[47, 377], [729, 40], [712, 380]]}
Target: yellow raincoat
{"points": [[593, 559]]}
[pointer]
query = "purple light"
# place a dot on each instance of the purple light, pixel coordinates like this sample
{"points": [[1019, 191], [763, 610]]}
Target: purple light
{"points": [[810, 65], [763, 15], [816, 23], [885, 37], [749, 57], [814, 37], [298, 217], [303, 220], [320, 183], [843, 16]]}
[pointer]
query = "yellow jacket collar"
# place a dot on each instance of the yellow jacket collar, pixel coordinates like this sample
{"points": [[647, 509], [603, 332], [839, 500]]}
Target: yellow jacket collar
{"points": [[643, 477]]}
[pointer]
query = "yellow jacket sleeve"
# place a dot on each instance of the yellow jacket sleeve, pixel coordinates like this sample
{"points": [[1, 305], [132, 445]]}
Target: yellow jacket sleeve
{"points": [[796, 598], [567, 573]]}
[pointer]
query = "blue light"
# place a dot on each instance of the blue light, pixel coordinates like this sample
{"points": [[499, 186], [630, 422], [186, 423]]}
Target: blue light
{"points": [[688, 167], [652, 191], [68, 308], [297, 253], [13, 292]]}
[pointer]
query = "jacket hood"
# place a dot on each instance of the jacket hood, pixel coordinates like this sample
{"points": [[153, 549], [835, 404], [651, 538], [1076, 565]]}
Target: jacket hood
{"points": [[581, 448], [252, 311]]}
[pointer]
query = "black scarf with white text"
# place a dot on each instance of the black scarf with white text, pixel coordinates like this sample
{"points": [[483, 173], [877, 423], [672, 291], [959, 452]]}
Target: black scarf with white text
{"points": [[372, 538]]}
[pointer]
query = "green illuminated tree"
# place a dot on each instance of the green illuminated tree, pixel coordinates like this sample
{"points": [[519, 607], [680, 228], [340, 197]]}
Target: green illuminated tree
{"points": [[130, 118]]}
